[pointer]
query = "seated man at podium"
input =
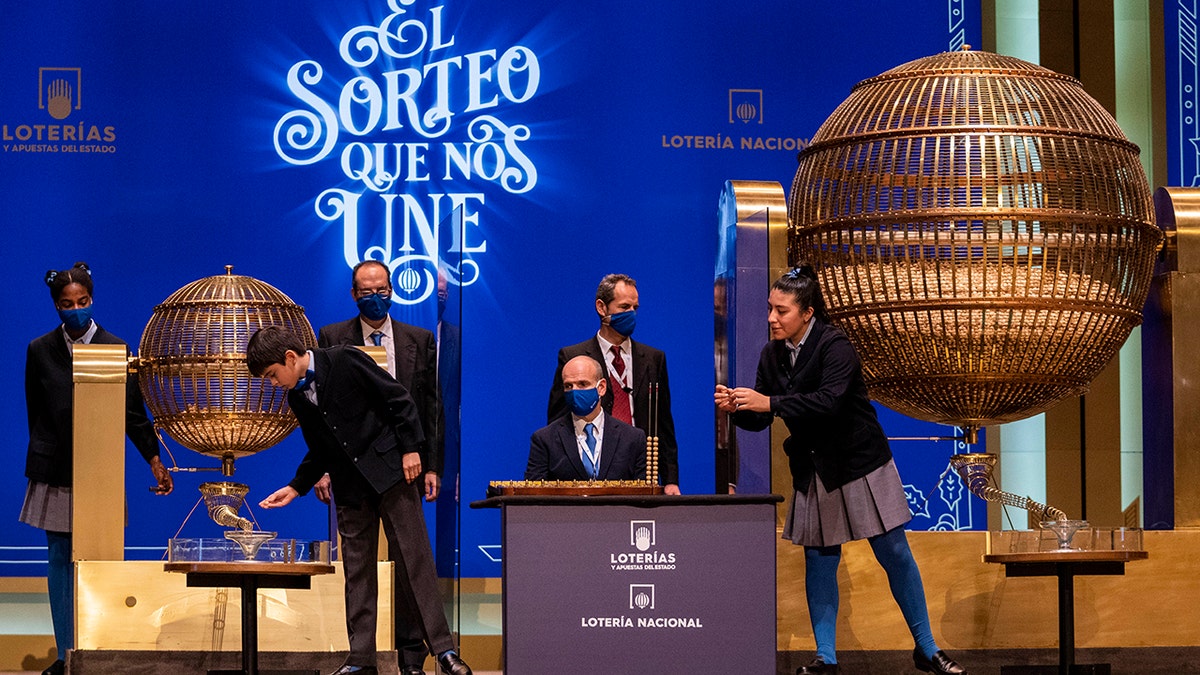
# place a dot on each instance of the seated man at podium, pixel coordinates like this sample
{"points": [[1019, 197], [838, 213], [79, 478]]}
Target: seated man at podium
{"points": [[586, 444]]}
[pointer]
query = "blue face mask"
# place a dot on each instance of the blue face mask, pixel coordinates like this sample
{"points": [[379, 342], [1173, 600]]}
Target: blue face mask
{"points": [[374, 306], [76, 320], [582, 401], [623, 322]]}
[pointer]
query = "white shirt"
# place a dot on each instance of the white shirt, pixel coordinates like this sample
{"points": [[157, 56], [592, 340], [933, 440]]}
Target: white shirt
{"points": [[387, 342], [795, 349], [85, 339], [581, 436]]}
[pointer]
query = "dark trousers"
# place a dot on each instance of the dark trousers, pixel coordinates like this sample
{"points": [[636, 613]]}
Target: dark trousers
{"points": [[416, 575]]}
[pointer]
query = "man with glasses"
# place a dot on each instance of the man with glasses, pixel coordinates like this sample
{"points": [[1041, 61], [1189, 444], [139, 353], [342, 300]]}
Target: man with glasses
{"points": [[412, 360]]}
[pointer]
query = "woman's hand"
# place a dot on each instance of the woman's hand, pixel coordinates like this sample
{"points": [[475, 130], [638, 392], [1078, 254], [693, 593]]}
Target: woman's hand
{"points": [[723, 397], [745, 398], [741, 398], [162, 476]]}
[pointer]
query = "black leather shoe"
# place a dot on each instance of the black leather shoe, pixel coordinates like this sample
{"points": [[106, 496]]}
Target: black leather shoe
{"points": [[356, 670], [56, 668], [818, 667], [412, 670], [940, 664], [453, 665]]}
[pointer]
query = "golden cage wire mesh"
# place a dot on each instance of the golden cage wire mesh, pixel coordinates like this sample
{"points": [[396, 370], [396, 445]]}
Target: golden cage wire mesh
{"points": [[982, 230], [192, 365]]}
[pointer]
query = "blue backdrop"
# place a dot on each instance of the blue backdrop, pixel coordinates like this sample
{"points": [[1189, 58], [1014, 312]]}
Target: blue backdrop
{"points": [[162, 141]]}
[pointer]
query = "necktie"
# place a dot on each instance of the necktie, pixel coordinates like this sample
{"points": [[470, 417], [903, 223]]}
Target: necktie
{"points": [[618, 363], [589, 456], [377, 337], [621, 408]]}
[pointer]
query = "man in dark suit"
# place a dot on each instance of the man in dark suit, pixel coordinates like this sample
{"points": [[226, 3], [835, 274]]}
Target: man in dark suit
{"points": [[411, 356], [586, 444], [412, 359], [363, 430], [638, 391]]}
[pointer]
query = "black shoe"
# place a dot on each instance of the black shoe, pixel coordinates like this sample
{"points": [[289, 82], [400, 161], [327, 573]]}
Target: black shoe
{"points": [[453, 665], [356, 670], [412, 670], [940, 664], [56, 668], [818, 667]]}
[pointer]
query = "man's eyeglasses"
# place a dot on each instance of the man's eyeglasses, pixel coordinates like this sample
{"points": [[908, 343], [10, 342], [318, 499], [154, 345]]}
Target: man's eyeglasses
{"points": [[385, 292]]}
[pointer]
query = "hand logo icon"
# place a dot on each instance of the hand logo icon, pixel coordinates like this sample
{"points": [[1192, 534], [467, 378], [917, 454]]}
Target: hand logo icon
{"points": [[59, 99], [641, 538]]}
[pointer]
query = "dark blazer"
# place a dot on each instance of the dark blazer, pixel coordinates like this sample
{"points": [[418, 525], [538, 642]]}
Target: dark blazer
{"points": [[415, 356], [823, 401], [554, 453], [363, 424], [49, 397], [649, 366]]}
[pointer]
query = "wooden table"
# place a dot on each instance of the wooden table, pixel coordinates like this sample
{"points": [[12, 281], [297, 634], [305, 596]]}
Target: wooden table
{"points": [[250, 576], [1065, 565]]}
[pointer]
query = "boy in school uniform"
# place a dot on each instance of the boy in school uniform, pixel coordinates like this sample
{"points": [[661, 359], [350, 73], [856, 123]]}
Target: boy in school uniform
{"points": [[361, 427]]}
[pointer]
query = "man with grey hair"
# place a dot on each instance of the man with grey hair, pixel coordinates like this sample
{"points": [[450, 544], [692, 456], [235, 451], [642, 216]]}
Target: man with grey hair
{"points": [[636, 390]]}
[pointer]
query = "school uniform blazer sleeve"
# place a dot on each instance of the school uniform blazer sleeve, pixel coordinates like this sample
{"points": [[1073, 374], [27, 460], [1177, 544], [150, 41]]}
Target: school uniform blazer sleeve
{"points": [[49, 405], [315, 462], [362, 414], [824, 402], [138, 426]]}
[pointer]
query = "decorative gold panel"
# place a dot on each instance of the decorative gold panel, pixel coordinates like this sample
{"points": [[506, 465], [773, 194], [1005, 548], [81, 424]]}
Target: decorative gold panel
{"points": [[139, 606], [983, 232]]}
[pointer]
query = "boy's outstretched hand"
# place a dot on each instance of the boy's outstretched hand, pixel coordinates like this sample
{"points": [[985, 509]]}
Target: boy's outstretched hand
{"points": [[281, 497]]}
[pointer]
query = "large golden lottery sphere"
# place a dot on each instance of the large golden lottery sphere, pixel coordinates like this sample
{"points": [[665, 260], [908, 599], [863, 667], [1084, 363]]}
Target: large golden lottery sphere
{"points": [[983, 232], [192, 366]]}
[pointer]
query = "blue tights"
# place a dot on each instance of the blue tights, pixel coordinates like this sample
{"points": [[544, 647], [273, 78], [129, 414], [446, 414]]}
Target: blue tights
{"points": [[820, 584], [61, 584]]}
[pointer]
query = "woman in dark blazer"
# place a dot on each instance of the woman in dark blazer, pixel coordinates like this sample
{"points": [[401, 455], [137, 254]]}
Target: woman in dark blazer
{"points": [[846, 484], [49, 390]]}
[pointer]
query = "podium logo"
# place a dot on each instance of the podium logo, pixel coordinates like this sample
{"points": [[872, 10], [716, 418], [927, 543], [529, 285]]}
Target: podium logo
{"points": [[59, 91], [641, 596], [642, 534], [745, 106]]}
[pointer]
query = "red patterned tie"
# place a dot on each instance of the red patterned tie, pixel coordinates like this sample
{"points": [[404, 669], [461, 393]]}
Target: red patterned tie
{"points": [[621, 409]]}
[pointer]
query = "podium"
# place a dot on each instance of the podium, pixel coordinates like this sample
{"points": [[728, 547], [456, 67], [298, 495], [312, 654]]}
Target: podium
{"points": [[638, 584]]}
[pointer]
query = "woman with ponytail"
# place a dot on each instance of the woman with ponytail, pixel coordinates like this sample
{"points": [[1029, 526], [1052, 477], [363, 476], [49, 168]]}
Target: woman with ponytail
{"points": [[846, 484], [49, 393]]}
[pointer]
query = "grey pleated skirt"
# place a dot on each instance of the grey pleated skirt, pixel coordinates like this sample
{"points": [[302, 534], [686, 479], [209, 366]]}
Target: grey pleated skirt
{"points": [[862, 508], [47, 507]]}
